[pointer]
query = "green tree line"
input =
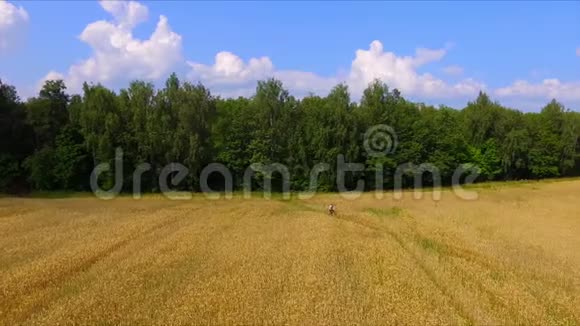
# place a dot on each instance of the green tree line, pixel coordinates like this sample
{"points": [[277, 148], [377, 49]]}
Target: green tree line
{"points": [[54, 140]]}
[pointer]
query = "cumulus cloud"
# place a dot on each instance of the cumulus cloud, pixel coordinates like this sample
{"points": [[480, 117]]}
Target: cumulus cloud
{"points": [[231, 69], [453, 70], [397, 71], [127, 14], [546, 90], [118, 55], [231, 76], [401, 72], [13, 22], [303, 82]]}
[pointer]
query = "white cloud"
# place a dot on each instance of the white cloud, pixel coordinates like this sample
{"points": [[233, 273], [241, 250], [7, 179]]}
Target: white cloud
{"points": [[398, 72], [118, 55], [302, 82], [13, 22], [547, 89], [229, 69], [233, 77], [401, 72], [127, 14], [453, 70]]}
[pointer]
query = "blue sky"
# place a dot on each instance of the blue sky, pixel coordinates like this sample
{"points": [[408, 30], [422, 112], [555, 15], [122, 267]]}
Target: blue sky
{"points": [[522, 53]]}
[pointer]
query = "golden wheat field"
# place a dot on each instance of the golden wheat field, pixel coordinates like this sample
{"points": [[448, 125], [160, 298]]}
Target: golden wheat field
{"points": [[510, 257]]}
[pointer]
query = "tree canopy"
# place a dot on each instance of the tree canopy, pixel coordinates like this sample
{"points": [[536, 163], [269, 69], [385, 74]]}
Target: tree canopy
{"points": [[54, 140]]}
